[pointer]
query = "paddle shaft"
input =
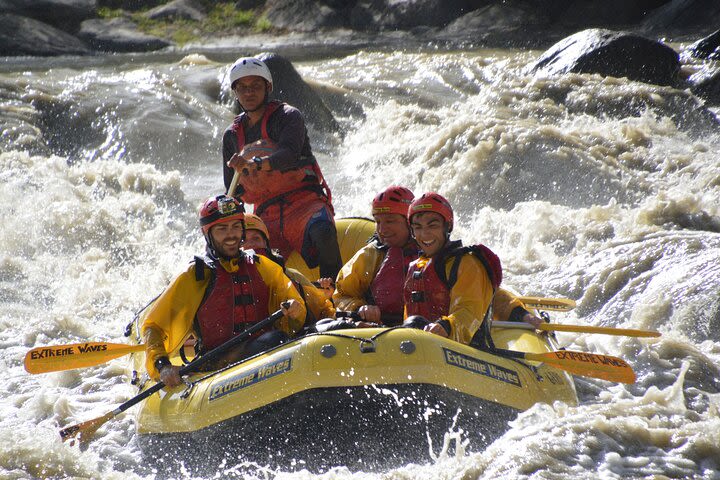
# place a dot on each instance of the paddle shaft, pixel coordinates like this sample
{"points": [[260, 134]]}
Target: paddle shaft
{"points": [[233, 184], [214, 354], [553, 304], [555, 327]]}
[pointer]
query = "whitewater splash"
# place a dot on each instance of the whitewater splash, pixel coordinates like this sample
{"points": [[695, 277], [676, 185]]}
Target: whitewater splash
{"points": [[602, 190]]}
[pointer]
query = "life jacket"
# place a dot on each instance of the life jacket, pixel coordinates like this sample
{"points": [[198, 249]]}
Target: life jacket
{"points": [[427, 287], [262, 189], [233, 301], [386, 288]]}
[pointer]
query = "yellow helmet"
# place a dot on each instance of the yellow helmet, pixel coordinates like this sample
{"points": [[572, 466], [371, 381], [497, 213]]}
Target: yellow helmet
{"points": [[253, 222]]}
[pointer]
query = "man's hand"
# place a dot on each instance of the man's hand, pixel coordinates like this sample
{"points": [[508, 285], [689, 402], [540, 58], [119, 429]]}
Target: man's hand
{"points": [[291, 308], [437, 329], [370, 313], [170, 376], [532, 320]]}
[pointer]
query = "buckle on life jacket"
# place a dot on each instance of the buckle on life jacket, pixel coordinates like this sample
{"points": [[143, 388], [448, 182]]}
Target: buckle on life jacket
{"points": [[244, 299], [417, 297]]}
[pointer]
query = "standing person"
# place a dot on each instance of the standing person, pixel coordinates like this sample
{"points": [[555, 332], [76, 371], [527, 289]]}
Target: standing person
{"points": [[218, 296], [372, 282], [450, 286], [268, 146], [317, 304]]}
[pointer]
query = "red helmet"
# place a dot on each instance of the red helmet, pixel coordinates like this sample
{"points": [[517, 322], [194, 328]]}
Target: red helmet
{"points": [[220, 209], [432, 202], [393, 199]]}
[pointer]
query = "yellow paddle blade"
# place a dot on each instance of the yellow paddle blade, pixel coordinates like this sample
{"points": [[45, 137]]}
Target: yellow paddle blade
{"points": [[605, 367], [77, 355], [553, 304], [627, 332], [84, 431]]}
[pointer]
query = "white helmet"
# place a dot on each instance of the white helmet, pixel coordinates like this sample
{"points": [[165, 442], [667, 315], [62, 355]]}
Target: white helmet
{"points": [[248, 66]]}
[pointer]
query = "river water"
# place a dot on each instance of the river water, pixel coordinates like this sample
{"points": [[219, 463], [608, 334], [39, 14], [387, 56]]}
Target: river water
{"points": [[602, 190]]}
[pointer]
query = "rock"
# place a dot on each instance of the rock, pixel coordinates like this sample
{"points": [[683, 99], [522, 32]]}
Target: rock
{"points": [[582, 13], [185, 9], [132, 5], [25, 36], [118, 35], [63, 14], [306, 15], [706, 85], [407, 14], [707, 48], [683, 15], [612, 53], [289, 87], [249, 4]]}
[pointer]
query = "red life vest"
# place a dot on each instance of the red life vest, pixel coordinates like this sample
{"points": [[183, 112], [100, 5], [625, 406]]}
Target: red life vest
{"points": [[263, 186], [427, 287], [233, 301], [387, 286]]}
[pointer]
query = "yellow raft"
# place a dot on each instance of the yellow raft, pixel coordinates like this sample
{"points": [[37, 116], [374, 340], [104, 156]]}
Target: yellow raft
{"points": [[363, 398]]}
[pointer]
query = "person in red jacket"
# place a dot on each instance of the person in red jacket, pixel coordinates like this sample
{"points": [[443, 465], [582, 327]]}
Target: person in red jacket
{"points": [[268, 146], [450, 286]]}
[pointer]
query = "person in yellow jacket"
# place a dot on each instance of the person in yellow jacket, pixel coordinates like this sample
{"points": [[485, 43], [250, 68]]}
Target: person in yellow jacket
{"points": [[449, 289], [257, 238], [371, 283], [219, 296]]}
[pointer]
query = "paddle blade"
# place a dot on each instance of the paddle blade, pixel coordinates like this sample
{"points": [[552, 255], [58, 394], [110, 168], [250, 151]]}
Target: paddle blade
{"points": [[552, 304], [83, 432], [78, 355], [605, 367], [626, 332]]}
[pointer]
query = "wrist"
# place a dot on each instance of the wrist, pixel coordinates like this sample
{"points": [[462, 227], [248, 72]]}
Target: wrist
{"points": [[445, 324], [162, 362]]}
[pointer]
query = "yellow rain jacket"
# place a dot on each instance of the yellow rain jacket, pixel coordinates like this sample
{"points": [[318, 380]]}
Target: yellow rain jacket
{"points": [[356, 276], [170, 319]]}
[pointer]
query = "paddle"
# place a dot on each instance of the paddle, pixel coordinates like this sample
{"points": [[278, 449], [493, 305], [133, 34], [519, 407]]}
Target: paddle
{"points": [[85, 430], [605, 367], [233, 183], [554, 304], [555, 327], [75, 355]]}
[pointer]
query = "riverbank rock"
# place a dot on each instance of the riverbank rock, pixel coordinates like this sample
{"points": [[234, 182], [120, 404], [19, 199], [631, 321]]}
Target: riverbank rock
{"points": [[289, 87], [65, 15], [178, 9], [118, 35], [306, 15], [26, 36], [612, 53], [707, 48]]}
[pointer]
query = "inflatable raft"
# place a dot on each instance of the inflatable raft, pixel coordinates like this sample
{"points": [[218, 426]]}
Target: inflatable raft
{"points": [[362, 398]]}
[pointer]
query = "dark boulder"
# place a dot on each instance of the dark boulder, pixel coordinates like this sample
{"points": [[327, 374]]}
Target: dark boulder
{"points": [[683, 15], [289, 87], [182, 9], [408, 14], [66, 15], [707, 48], [706, 85], [306, 15], [584, 14], [118, 35], [614, 54], [25, 36], [132, 5]]}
